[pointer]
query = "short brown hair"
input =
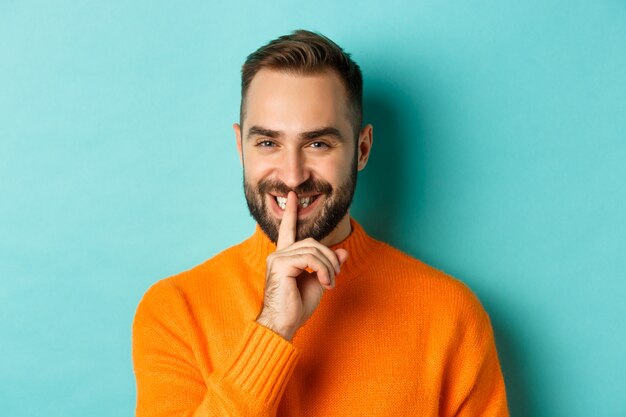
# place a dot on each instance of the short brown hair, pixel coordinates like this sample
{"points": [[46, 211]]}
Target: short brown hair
{"points": [[305, 52]]}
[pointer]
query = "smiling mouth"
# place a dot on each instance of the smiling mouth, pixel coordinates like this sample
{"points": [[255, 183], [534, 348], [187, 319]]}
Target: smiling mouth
{"points": [[303, 202]]}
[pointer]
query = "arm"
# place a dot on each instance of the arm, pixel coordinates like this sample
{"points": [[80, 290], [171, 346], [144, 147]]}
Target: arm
{"points": [[474, 382], [169, 381]]}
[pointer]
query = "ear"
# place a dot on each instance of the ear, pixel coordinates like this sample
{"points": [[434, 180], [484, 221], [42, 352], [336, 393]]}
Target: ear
{"points": [[366, 138], [237, 130]]}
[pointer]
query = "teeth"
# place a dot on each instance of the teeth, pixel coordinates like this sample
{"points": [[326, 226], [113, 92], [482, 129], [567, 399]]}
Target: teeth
{"points": [[303, 202]]}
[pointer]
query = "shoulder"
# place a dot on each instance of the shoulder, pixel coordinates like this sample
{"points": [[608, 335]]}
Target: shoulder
{"points": [[443, 292], [161, 300], [452, 310], [226, 262], [400, 263], [178, 288]]}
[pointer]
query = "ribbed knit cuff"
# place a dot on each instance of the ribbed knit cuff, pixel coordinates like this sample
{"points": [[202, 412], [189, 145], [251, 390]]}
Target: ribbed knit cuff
{"points": [[263, 364]]}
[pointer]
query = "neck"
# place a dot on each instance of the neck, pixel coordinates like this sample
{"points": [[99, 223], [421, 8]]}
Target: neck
{"points": [[339, 233]]}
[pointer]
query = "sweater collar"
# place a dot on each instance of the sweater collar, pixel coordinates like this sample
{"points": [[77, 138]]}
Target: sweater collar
{"points": [[359, 245]]}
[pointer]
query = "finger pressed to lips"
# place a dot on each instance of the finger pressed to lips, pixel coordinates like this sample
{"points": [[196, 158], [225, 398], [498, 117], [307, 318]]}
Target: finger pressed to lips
{"points": [[307, 253], [288, 223]]}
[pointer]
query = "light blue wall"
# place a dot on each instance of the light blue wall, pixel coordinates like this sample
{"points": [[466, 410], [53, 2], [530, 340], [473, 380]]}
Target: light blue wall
{"points": [[499, 157]]}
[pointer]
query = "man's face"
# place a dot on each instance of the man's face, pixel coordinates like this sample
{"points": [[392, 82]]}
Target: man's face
{"points": [[297, 136]]}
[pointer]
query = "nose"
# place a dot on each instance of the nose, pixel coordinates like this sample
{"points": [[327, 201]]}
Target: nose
{"points": [[293, 169]]}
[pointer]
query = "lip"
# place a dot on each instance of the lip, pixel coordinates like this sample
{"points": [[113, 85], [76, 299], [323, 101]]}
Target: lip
{"points": [[300, 196], [302, 212]]}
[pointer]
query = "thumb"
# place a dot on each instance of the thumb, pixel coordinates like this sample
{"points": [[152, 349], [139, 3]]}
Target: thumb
{"points": [[342, 255]]}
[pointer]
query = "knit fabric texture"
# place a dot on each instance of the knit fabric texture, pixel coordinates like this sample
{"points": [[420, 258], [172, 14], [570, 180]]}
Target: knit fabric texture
{"points": [[395, 337]]}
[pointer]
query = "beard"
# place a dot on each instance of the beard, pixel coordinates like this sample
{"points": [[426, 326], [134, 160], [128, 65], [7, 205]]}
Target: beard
{"points": [[335, 206]]}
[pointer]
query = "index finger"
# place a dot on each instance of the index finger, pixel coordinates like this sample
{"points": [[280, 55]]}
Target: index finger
{"points": [[287, 230]]}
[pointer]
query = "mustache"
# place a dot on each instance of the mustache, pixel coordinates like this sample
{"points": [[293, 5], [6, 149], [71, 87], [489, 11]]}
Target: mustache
{"points": [[310, 186]]}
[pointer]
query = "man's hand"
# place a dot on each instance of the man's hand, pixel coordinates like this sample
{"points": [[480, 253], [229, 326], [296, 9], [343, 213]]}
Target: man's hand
{"points": [[292, 293]]}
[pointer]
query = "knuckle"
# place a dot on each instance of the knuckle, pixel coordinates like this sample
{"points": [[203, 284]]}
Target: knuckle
{"points": [[309, 257]]}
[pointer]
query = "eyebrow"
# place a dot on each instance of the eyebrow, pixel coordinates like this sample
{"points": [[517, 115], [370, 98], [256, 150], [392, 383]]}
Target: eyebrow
{"points": [[260, 131], [312, 134], [325, 131]]}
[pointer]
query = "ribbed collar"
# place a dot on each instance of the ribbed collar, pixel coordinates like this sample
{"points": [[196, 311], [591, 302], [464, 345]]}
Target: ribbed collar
{"points": [[359, 245]]}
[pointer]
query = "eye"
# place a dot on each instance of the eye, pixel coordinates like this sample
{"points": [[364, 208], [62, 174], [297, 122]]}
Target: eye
{"points": [[265, 143], [319, 145]]}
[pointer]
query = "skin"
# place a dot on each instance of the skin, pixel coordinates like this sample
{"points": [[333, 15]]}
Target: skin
{"points": [[282, 110]]}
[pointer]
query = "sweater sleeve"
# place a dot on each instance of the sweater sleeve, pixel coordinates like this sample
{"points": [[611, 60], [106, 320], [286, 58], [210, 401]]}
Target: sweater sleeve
{"points": [[474, 385], [170, 381]]}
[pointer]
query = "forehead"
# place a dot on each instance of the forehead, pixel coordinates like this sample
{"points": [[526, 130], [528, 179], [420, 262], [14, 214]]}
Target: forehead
{"points": [[296, 102]]}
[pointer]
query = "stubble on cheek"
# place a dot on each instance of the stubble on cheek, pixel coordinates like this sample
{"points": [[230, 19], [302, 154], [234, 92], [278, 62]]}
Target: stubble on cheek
{"points": [[260, 212]]}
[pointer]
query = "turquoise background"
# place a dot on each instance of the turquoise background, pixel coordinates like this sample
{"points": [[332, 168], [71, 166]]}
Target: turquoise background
{"points": [[500, 141]]}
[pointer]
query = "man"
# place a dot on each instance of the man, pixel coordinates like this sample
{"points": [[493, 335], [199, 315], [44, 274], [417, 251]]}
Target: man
{"points": [[310, 316]]}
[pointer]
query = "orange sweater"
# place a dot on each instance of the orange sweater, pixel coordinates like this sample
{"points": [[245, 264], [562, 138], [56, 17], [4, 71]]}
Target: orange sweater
{"points": [[395, 337]]}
